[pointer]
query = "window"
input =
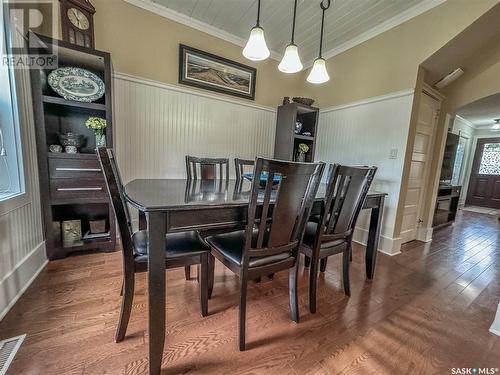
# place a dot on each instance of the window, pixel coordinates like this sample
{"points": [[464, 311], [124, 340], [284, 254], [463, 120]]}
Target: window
{"points": [[11, 166], [459, 158], [490, 161]]}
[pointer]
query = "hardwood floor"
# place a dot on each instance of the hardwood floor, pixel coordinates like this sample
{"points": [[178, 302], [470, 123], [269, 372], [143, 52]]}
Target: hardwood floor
{"points": [[428, 310]]}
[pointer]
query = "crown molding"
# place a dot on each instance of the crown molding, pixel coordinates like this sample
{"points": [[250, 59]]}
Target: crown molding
{"points": [[397, 20], [193, 23]]}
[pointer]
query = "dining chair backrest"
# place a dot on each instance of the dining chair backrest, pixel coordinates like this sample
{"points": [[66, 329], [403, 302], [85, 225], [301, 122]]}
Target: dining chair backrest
{"points": [[347, 188], [239, 166], [206, 168], [277, 214], [115, 191]]}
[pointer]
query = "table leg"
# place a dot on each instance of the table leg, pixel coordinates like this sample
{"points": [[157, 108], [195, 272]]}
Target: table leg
{"points": [[373, 237], [157, 224]]}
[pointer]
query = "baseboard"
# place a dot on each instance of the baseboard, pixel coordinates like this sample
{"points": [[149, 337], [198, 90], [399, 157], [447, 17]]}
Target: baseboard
{"points": [[387, 245], [15, 283], [425, 234]]}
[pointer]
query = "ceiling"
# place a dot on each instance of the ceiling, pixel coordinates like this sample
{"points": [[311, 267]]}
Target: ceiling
{"points": [[346, 22], [463, 50], [482, 112]]}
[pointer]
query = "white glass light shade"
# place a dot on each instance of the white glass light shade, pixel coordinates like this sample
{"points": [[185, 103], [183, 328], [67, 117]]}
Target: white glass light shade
{"points": [[318, 72], [496, 126], [256, 48], [290, 63]]}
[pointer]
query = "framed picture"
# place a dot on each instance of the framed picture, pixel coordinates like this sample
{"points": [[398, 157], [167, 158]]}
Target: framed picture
{"points": [[204, 70]]}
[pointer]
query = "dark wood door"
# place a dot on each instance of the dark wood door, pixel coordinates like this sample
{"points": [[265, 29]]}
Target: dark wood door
{"points": [[484, 183]]}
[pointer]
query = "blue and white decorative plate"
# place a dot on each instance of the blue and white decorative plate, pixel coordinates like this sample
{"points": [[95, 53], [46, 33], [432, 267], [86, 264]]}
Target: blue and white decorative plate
{"points": [[76, 84]]}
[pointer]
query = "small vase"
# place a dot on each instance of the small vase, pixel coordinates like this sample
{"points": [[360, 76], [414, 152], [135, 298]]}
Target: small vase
{"points": [[301, 157], [100, 139]]}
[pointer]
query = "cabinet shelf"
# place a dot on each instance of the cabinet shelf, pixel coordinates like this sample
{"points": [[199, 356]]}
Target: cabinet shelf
{"points": [[72, 103], [286, 140], [304, 137]]}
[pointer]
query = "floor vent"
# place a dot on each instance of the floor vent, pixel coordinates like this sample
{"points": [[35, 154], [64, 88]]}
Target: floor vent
{"points": [[8, 350]]}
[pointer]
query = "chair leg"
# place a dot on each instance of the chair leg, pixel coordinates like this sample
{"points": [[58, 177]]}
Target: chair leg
{"points": [[322, 265], [345, 271], [350, 253], [292, 291], [126, 307], [307, 261], [187, 272], [313, 281], [243, 310], [203, 284], [211, 274]]}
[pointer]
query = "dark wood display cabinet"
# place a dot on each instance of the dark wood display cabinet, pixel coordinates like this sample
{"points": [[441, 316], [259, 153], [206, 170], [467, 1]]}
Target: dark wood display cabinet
{"points": [[287, 141], [72, 185], [446, 205]]}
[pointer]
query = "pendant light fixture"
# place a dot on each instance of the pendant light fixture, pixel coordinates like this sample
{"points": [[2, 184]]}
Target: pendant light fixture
{"points": [[291, 61], [318, 72], [496, 126], [256, 48]]}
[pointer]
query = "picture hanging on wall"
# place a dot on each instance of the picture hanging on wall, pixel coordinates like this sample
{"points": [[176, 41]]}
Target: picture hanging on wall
{"points": [[205, 70]]}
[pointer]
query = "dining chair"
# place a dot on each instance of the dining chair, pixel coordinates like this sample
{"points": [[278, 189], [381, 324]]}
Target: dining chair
{"points": [[239, 166], [331, 233], [206, 168], [182, 249], [277, 214]]}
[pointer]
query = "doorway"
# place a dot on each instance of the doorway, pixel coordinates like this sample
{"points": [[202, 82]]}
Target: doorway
{"points": [[428, 115], [484, 182]]}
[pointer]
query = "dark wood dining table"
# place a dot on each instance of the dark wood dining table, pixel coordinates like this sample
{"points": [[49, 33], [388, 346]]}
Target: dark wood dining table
{"points": [[173, 205]]}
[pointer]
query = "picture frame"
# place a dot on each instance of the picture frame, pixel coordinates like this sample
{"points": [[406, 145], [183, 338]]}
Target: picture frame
{"points": [[204, 70]]}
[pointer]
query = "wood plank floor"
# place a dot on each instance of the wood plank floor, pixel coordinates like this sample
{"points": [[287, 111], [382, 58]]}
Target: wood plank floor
{"points": [[428, 310]]}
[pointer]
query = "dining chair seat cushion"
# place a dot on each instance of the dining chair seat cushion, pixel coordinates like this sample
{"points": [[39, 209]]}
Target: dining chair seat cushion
{"points": [[178, 245], [231, 246], [310, 237]]}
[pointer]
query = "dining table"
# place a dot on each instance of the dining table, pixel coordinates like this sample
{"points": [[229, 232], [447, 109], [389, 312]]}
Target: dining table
{"points": [[175, 205]]}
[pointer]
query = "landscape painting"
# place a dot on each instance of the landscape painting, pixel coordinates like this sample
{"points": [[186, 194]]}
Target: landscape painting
{"points": [[202, 69]]}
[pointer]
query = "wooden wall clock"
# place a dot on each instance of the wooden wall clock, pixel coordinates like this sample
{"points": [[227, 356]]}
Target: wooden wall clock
{"points": [[77, 21]]}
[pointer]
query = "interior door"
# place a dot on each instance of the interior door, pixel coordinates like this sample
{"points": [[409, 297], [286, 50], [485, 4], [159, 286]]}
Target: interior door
{"points": [[419, 169], [484, 182]]}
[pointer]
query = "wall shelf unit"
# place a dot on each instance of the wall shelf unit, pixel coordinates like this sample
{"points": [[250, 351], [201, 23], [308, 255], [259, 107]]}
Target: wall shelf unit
{"points": [[286, 140], [72, 186]]}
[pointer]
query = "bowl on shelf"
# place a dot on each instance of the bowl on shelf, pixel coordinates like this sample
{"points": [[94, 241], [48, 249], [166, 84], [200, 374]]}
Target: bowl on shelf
{"points": [[305, 101], [71, 139]]}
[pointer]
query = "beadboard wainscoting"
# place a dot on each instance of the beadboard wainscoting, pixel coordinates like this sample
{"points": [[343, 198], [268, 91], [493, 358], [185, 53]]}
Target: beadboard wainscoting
{"points": [[364, 133], [157, 124], [22, 245]]}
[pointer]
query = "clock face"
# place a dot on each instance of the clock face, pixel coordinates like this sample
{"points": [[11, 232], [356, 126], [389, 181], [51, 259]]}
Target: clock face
{"points": [[78, 19]]}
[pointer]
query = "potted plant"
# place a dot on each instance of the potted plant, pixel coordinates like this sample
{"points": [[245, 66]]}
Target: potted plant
{"points": [[303, 149], [98, 125]]}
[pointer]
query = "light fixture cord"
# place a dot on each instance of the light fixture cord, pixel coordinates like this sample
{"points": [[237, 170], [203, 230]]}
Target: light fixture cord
{"points": [[323, 7], [258, 13], [293, 26]]}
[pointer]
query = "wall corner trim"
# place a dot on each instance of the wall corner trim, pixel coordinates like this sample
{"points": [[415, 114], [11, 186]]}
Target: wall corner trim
{"points": [[179, 88], [374, 99], [16, 282]]}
